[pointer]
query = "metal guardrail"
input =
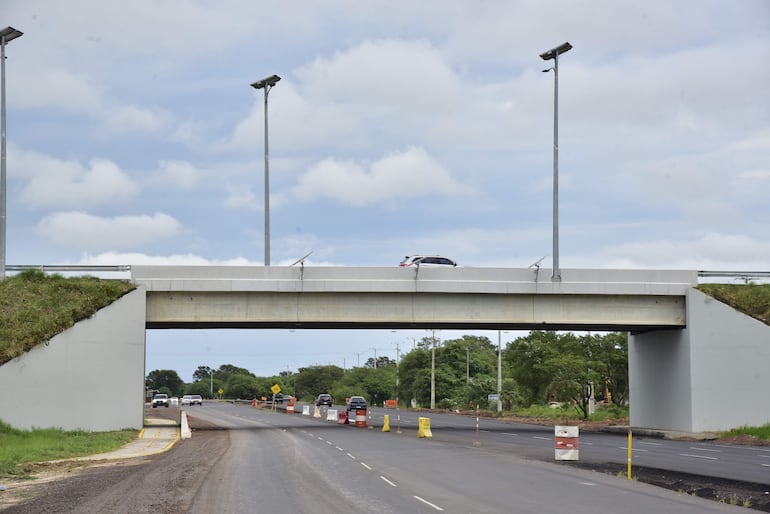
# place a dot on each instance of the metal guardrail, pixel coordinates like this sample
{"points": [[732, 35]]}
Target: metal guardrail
{"points": [[69, 267], [127, 267]]}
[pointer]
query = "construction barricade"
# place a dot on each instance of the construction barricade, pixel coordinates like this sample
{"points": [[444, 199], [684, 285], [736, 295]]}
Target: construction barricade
{"points": [[566, 442], [290, 409], [391, 404], [423, 427], [306, 410], [331, 415], [361, 418], [386, 423], [317, 412], [342, 418]]}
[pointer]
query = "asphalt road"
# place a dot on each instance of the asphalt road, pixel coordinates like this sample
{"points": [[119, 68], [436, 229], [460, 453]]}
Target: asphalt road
{"points": [[282, 463], [735, 462]]}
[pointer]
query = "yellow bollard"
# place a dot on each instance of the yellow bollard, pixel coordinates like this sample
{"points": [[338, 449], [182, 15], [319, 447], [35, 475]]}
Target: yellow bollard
{"points": [[386, 423], [423, 427]]}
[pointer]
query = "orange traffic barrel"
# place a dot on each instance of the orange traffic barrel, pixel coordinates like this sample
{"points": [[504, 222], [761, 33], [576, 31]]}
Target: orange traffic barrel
{"points": [[361, 418]]}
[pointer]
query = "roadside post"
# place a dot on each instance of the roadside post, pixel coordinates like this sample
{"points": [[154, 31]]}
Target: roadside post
{"points": [[566, 442]]}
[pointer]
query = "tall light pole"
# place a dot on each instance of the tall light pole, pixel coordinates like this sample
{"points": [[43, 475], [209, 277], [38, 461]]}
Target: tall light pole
{"points": [[499, 373], [7, 34], [267, 84], [467, 365], [433, 372], [554, 54]]}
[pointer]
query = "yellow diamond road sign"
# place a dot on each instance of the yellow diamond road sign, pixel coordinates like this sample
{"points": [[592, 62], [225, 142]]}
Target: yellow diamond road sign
{"points": [[276, 389]]}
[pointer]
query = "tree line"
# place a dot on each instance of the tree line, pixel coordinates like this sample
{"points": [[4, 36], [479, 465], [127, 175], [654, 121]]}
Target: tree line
{"points": [[540, 367]]}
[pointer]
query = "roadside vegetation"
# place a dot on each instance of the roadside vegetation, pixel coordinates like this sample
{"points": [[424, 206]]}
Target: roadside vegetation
{"points": [[35, 306], [19, 449], [751, 299], [761, 432]]}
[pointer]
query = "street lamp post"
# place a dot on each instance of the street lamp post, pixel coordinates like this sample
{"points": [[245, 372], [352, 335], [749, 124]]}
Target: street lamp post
{"points": [[433, 372], [211, 378], [499, 373], [6, 35], [554, 54], [267, 84]]}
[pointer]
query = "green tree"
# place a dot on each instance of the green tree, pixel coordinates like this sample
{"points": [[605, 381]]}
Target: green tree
{"points": [[314, 380], [526, 358], [243, 386], [165, 378]]}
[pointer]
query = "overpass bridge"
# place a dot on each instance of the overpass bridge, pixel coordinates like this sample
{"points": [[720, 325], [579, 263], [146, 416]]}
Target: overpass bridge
{"points": [[406, 297], [694, 364]]}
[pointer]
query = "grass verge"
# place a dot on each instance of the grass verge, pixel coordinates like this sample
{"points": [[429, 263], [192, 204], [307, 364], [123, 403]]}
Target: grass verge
{"points": [[21, 447]]}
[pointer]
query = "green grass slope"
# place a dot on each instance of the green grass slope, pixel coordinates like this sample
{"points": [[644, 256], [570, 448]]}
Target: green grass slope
{"points": [[34, 307], [751, 299]]}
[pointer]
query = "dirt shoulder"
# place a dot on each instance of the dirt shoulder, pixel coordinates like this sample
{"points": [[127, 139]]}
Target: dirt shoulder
{"points": [[164, 482]]}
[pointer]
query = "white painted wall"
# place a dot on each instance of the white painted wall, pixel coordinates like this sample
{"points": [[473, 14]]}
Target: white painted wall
{"points": [[89, 377], [711, 376]]}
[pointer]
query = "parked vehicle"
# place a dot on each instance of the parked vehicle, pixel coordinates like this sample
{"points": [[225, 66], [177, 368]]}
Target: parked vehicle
{"points": [[356, 402], [324, 399], [160, 400], [427, 260]]}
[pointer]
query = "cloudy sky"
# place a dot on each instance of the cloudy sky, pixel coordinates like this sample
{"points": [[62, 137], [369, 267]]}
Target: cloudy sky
{"points": [[133, 137]]}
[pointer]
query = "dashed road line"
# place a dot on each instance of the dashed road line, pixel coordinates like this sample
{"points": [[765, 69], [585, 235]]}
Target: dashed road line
{"points": [[387, 481], [367, 466], [426, 502], [697, 456], [351, 456]]}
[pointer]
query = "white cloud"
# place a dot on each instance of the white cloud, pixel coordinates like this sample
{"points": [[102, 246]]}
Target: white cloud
{"points": [[180, 174], [92, 233], [57, 184], [134, 258], [130, 118], [407, 174]]}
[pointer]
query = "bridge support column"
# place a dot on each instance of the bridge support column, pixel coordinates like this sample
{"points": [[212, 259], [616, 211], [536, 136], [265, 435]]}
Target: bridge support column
{"points": [[710, 376]]}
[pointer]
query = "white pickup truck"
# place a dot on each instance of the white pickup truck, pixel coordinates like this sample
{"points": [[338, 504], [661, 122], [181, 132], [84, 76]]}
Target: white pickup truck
{"points": [[160, 399]]}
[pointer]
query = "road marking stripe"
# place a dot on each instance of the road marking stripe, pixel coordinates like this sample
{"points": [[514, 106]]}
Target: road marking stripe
{"points": [[635, 449], [340, 449], [364, 464], [349, 455], [704, 449], [543, 438], [648, 442], [509, 433], [697, 456], [387, 481], [426, 502]]}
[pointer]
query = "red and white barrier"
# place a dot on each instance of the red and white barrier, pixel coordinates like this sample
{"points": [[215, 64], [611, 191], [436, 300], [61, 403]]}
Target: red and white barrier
{"points": [[566, 442], [361, 418], [185, 432]]}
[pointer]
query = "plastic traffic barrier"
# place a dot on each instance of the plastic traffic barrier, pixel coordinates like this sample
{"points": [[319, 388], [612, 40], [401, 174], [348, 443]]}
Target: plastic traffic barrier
{"points": [[566, 442], [423, 427]]}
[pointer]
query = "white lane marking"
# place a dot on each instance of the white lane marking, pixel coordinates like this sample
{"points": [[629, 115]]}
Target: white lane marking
{"points": [[319, 438], [340, 449], [364, 464], [426, 502], [387, 481], [349, 455], [650, 443], [543, 438], [587, 483], [329, 442], [704, 449], [509, 433], [760, 455], [697, 456], [635, 449]]}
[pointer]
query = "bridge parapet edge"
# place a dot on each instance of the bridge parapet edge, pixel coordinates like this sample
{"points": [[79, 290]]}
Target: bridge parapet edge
{"points": [[412, 280]]}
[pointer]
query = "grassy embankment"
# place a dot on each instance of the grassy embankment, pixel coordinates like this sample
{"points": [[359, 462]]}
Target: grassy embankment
{"points": [[34, 307]]}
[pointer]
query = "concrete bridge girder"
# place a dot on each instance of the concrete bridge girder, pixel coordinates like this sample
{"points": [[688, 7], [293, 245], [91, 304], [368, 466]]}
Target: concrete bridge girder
{"points": [[482, 311]]}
